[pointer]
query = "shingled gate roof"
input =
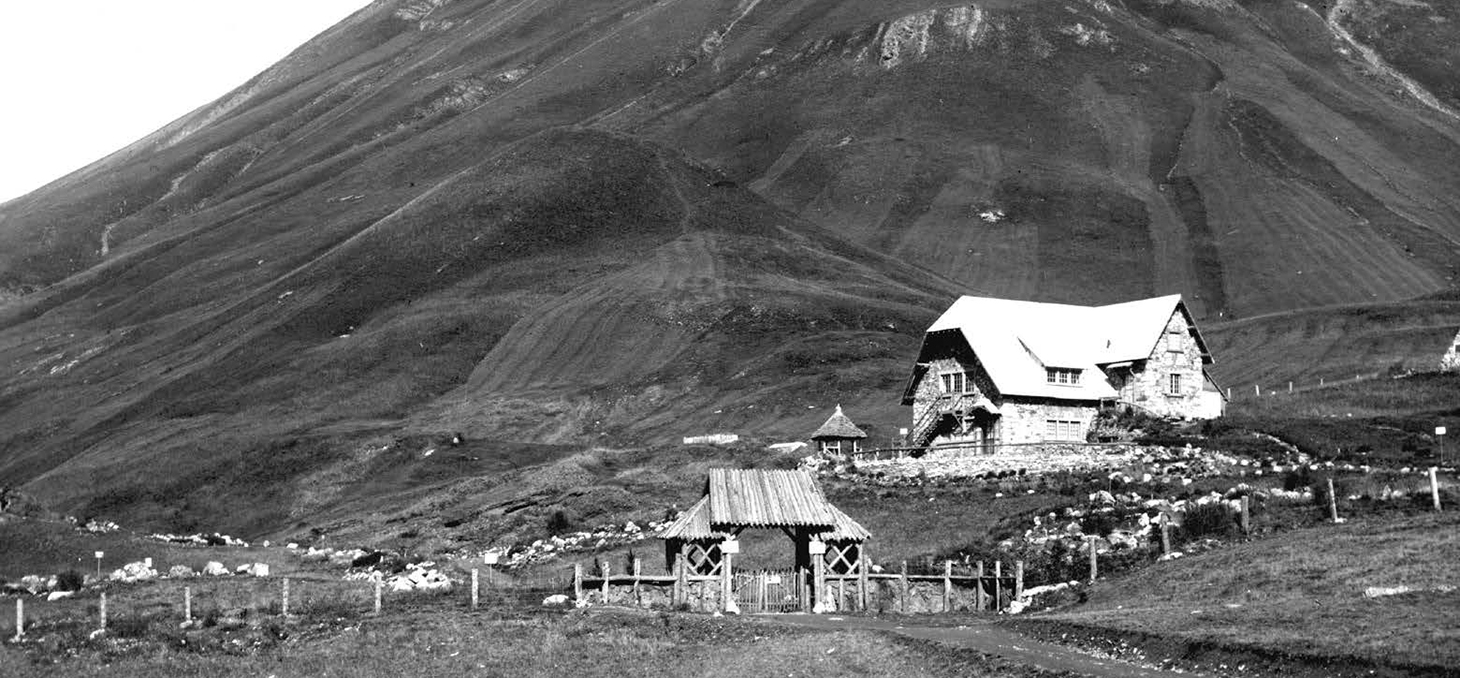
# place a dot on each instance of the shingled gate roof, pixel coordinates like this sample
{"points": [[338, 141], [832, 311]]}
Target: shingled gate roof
{"points": [[838, 425], [736, 498]]}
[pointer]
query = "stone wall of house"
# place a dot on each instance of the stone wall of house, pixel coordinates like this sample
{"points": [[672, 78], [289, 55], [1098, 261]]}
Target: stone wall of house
{"points": [[1450, 362], [1176, 352], [1024, 422], [930, 389]]}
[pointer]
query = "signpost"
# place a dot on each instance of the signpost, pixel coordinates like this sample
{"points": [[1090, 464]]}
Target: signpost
{"points": [[99, 555], [1440, 433]]}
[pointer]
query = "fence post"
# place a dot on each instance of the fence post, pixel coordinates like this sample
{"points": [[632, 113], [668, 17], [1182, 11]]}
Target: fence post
{"points": [[1246, 514], [978, 597], [102, 610], [1435, 487], [577, 583], [727, 590], [638, 564], [20, 619], [1332, 502], [284, 608], [679, 592], [862, 579], [1257, 390], [187, 603], [379, 594], [998, 585], [475, 589], [1094, 568], [947, 586], [904, 587], [1165, 540], [1018, 579], [603, 569], [1290, 387]]}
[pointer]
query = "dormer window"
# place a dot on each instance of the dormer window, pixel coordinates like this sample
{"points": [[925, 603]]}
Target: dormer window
{"points": [[1062, 376], [955, 382]]}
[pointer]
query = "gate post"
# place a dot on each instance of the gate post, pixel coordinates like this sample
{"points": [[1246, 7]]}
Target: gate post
{"points": [[727, 590], [679, 592], [862, 580]]}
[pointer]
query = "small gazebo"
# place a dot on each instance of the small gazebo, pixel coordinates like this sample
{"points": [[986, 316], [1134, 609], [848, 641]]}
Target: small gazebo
{"points": [[825, 539], [838, 435]]}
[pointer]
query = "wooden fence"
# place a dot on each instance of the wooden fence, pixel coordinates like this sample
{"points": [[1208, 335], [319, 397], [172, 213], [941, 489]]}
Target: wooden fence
{"points": [[977, 587]]}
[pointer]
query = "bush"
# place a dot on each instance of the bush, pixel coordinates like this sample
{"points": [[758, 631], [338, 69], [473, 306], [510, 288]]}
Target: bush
{"points": [[70, 580], [1296, 478], [558, 523], [1207, 520]]}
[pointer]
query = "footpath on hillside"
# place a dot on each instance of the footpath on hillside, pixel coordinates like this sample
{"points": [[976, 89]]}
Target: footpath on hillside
{"points": [[990, 638]]}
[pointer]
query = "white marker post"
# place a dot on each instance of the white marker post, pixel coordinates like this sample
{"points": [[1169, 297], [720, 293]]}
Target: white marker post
{"points": [[1440, 433], [99, 556]]}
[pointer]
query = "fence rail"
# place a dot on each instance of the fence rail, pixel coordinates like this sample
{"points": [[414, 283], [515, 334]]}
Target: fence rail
{"points": [[982, 588]]}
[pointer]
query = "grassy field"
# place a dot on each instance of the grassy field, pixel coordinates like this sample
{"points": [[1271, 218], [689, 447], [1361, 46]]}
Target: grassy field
{"points": [[456, 643], [1380, 420], [1301, 594]]}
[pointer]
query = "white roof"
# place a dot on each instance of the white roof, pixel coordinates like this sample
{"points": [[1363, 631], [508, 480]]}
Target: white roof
{"points": [[1017, 340]]}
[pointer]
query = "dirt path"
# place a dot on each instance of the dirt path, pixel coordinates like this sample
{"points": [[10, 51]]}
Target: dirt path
{"points": [[992, 639]]}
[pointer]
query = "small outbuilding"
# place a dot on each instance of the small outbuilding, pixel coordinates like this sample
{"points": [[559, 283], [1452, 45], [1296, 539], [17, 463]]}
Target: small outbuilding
{"points": [[839, 435], [704, 539]]}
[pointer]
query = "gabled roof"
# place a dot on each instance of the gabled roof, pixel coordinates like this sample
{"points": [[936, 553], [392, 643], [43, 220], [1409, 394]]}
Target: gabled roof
{"points": [[766, 498], [1016, 341], [737, 498], [838, 425]]}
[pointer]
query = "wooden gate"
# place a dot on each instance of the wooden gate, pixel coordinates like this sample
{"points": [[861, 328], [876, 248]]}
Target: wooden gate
{"points": [[766, 591]]}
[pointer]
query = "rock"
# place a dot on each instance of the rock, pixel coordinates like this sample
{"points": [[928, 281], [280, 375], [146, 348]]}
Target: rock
{"points": [[57, 595], [181, 572], [556, 600], [133, 572], [215, 569]]}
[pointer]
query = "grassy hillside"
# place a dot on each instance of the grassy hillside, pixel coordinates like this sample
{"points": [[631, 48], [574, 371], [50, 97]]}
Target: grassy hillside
{"points": [[1301, 596], [559, 227]]}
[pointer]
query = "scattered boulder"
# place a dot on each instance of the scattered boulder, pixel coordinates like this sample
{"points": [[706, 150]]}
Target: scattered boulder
{"points": [[181, 572], [57, 595], [253, 569], [556, 600], [215, 569], [134, 572]]}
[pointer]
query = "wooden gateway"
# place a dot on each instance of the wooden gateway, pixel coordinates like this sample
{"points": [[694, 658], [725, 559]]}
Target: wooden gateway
{"points": [[703, 541]]}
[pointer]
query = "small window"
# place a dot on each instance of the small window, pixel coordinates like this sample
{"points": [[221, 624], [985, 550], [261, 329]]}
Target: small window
{"points": [[1062, 376], [1174, 385], [955, 382]]}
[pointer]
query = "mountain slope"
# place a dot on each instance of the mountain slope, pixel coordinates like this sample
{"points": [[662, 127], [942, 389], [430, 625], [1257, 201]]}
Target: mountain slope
{"points": [[626, 221]]}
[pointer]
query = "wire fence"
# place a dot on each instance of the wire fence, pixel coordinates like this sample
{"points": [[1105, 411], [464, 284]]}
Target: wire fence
{"points": [[240, 601]]}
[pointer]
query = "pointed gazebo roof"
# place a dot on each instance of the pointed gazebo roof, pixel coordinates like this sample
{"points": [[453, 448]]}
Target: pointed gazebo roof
{"points": [[840, 426]]}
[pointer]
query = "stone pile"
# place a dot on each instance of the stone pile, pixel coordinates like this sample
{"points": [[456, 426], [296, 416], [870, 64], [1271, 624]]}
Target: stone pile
{"points": [[132, 573], [607, 536], [199, 539], [100, 526], [344, 557]]}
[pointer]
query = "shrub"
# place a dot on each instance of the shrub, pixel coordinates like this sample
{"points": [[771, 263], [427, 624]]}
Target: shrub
{"points": [[70, 580], [1099, 523], [1206, 520], [1296, 478], [558, 523]]}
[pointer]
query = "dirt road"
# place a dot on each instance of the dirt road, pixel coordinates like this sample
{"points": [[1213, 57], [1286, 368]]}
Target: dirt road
{"points": [[992, 639]]}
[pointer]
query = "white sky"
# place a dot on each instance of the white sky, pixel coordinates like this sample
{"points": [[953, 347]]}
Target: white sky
{"points": [[82, 78]]}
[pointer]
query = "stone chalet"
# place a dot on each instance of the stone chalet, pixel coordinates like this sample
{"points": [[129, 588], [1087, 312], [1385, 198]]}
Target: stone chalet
{"points": [[998, 371]]}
